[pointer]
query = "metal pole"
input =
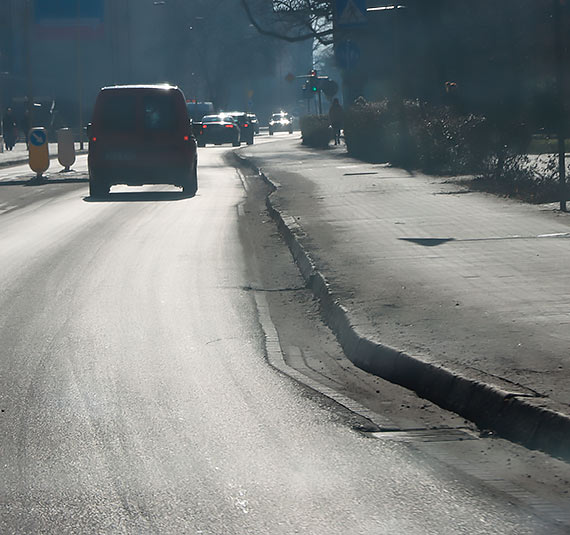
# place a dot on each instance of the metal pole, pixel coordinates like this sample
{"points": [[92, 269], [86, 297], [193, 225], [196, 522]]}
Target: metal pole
{"points": [[129, 42], [560, 86], [79, 76], [1, 107], [28, 55]]}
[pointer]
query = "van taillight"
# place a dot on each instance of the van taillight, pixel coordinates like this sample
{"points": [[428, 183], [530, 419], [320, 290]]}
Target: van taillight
{"points": [[186, 138]]}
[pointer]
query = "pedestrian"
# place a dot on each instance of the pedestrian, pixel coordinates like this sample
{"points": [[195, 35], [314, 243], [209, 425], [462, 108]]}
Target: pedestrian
{"points": [[9, 129], [336, 119], [26, 125]]}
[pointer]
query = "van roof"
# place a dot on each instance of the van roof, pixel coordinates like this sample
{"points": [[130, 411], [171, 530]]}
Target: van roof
{"points": [[141, 86]]}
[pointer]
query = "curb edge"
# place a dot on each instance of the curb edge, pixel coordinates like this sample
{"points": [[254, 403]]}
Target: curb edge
{"points": [[504, 413]]}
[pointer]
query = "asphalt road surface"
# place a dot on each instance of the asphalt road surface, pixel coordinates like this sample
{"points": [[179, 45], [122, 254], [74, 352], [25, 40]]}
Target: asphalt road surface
{"points": [[136, 396]]}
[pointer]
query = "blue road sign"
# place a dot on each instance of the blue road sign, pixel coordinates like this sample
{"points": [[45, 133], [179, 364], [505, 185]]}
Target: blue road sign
{"points": [[350, 13], [38, 137], [347, 54]]}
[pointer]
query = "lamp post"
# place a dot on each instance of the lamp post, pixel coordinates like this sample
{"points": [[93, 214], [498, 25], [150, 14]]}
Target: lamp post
{"points": [[79, 73], [2, 76], [560, 93], [28, 59]]}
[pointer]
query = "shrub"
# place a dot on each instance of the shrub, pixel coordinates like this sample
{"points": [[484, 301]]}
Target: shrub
{"points": [[368, 130], [434, 139], [450, 144], [533, 179], [316, 131]]}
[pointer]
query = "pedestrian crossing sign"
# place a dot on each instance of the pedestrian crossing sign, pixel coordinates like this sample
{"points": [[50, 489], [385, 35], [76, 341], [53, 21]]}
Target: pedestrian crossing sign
{"points": [[350, 12]]}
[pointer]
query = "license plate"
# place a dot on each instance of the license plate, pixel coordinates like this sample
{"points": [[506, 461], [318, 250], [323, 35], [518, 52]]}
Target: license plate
{"points": [[119, 156]]}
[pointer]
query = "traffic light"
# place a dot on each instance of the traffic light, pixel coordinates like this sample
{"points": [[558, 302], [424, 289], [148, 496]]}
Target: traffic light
{"points": [[313, 81]]}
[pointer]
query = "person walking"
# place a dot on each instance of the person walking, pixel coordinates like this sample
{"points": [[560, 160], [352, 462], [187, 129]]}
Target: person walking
{"points": [[336, 115], [26, 125], [9, 129]]}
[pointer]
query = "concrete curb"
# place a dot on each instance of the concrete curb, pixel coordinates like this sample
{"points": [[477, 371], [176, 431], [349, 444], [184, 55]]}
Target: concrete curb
{"points": [[516, 417]]}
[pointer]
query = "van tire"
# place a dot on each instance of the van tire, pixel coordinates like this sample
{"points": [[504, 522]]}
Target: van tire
{"points": [[190, 186], [98, 188]]}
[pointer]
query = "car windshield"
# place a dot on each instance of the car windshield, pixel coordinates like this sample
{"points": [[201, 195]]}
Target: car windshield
{"points": [[213, 119]]}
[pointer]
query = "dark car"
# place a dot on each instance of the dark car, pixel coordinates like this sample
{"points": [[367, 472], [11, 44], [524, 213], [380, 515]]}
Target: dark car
{"points": [[217, 129], [280, 122], [246, 127], [141, 134], [254, 121]]}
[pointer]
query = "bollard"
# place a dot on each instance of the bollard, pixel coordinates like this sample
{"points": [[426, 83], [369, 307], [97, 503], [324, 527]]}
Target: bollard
{"points": [[1, 144], [38, 151], [65, 148]]}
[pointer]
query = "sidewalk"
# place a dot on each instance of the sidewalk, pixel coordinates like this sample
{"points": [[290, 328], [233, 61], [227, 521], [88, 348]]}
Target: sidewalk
{"points": [[19, 154], [463, 297]]}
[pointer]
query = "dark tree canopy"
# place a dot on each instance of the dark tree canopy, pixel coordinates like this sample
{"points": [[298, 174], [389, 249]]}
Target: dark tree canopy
{"points": [[292, 20]]}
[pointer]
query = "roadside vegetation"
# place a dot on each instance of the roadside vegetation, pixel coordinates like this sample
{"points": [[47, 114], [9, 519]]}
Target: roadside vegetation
{"points": [[316, 131], [501, 156]]}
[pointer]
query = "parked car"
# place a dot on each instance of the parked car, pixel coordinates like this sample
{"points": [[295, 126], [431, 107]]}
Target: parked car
{"points": [[217, 129], [141, 134], [254, 121], [246, 127], [280, 122]]}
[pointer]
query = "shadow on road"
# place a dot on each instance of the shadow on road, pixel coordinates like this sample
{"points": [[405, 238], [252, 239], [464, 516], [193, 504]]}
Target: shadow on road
{"points": [[141, 196], [428, 242], [34, 182]]}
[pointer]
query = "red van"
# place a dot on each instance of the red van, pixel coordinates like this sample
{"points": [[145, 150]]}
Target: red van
{"points": [[141, 134]]}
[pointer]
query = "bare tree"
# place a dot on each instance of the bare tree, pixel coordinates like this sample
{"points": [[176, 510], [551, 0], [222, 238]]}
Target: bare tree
{"points": [[213, 47], [292, 20]]}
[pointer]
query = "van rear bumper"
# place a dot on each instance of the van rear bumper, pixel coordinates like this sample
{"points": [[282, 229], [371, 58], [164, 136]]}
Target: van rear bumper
{"points": [[111, 168], [137, 176]]}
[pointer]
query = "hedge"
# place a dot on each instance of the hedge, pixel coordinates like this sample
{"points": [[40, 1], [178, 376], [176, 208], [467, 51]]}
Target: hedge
{"points": [[316, 131]]}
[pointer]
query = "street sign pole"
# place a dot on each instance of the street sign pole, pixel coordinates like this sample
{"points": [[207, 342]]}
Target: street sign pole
{"points": [[79, 75], [28, 56]]}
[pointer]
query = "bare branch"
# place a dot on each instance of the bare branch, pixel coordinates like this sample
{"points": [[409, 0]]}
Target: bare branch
{"points": [[296, 20]]}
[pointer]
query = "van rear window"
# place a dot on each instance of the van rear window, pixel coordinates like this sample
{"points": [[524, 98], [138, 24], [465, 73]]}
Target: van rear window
{"points": [[118, 113], [159, 112]]}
